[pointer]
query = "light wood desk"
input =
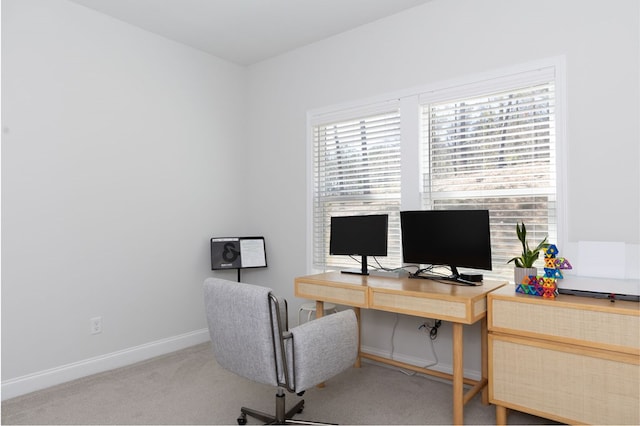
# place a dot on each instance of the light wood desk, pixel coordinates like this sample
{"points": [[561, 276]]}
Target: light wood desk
{"points": [[457, 304]]}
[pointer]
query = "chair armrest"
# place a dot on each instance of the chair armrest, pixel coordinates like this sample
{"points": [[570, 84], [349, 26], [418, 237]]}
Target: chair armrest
{"points": [[323, 348]]}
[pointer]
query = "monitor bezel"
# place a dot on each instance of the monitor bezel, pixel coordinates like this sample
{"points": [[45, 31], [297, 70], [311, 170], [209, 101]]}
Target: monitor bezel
{"points": [[431, 257], [382, 246]]}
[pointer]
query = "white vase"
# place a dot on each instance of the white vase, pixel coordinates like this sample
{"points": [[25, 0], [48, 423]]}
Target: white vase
{"points": [[520, 273]]}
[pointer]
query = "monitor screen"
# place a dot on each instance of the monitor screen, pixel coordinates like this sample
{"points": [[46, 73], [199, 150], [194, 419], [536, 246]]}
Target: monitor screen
{"points": [[455, 238], [359, 236], [238, 253]]}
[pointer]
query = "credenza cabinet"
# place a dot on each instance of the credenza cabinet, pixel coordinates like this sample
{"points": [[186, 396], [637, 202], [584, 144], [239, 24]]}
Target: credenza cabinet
{"points": [[570, 359]]}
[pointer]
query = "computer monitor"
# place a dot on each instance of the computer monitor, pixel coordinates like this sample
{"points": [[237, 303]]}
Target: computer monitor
{"points": [[453, 238], [364, 235]]}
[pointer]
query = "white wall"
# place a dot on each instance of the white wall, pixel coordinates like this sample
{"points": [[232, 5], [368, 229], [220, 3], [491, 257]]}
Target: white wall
{"points": [[122, 153], [121, 156], [442, 40]]}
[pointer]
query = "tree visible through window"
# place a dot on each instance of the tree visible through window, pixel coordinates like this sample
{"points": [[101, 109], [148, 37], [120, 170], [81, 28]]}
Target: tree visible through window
{"points": [[486, 144], [494, 152], [356, 171]]}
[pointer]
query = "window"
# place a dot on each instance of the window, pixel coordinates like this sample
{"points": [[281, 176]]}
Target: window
{"points": [[485, 143], [356, 170], [497, 152]]}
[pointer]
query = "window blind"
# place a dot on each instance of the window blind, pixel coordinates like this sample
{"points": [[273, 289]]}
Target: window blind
{"points": [[356, 171], [494, 152]]}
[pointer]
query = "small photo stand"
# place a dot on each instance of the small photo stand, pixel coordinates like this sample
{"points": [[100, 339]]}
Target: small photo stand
{"points": [[238, 253]]}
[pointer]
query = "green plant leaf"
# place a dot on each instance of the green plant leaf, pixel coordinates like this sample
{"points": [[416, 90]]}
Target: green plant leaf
{"points": [[528, 256]]}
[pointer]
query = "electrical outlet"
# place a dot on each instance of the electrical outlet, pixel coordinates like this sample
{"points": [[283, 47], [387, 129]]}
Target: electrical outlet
{"points": [[96, 325]]}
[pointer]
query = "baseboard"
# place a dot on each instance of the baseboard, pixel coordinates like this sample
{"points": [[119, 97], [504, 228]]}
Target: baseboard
{"points": [[65, 373], [419, 362]]}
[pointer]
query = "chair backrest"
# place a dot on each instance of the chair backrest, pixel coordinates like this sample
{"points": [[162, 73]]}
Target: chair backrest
{"points": [[250, 337], [240, 325]]}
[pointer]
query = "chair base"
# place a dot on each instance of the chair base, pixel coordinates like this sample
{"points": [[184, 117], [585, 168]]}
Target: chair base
{"points": [[280, 418], [270, 419]]}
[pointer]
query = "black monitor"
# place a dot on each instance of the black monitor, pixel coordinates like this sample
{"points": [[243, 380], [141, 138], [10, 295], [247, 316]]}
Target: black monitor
{"points": [[364, 236], [454, 238]]}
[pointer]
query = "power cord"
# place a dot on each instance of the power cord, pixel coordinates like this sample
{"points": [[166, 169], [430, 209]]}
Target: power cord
{"points": [[432, 330], [369, 265], [433, 333], [377, 266]]}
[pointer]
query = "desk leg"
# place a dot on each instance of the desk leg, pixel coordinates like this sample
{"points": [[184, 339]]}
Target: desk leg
{"points": [[458, 375], [485, 359], [357, 312], [319, 314], [501, 415]]}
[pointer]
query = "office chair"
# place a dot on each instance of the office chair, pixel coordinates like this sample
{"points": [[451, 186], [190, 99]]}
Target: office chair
{"points": [[250, 337]]}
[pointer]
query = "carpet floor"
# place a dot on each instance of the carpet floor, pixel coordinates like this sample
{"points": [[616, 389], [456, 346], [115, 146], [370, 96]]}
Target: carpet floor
{"points": [[189, 387]]}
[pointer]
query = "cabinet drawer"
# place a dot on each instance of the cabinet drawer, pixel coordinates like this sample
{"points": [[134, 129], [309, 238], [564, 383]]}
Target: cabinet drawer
{"points": [[566, 383], [583, 323]]}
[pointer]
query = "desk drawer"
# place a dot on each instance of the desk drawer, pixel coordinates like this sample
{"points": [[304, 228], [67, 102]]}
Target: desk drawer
{"points": [[351, 296], [564, 382], [419, 306], [563, 322]]}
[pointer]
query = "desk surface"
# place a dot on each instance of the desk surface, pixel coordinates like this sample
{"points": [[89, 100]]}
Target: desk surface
{"points": [[420, 297], [404, 284]]}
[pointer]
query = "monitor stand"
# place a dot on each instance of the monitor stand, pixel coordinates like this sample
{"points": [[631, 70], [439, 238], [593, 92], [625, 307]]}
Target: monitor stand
{"points": [[362, 271], [454, 278]]}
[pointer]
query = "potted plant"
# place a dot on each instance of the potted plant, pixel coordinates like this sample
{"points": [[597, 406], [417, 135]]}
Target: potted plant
{"points": [[524, 262]]}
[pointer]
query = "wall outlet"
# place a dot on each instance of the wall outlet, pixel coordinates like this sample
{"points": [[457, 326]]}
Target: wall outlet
{"points": [[95, 325]]}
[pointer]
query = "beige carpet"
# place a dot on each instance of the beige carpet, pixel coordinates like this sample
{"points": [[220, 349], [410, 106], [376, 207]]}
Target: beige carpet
{"points": [[188, 387]]}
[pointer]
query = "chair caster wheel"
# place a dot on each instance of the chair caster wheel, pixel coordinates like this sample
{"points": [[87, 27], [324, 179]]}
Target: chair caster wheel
{"points": [[242, 420]]}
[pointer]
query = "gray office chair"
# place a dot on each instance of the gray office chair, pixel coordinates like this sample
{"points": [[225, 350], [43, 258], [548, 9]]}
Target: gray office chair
{"points": [[250, 337]]}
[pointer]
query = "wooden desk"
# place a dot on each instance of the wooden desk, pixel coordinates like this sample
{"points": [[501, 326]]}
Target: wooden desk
{"points": [[423, 298]]}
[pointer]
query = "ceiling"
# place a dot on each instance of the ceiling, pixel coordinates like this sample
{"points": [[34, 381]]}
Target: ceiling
{"points": [[248, 31]]}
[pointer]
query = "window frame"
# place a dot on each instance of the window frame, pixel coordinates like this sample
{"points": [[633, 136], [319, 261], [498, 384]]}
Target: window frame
{"points": [[372, 111], [409, 102]]}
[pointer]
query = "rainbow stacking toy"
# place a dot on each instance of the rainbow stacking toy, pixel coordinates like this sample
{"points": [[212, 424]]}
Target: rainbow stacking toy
{"points": [[545, 285]]}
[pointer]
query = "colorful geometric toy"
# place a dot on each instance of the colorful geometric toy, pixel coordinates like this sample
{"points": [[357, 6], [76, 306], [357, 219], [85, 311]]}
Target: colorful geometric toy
{"points": [[551, 250], [546, 285]]}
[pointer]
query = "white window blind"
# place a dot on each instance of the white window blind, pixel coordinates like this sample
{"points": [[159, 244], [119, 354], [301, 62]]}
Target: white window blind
{"points": [[356, 170], [497, 152]]}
